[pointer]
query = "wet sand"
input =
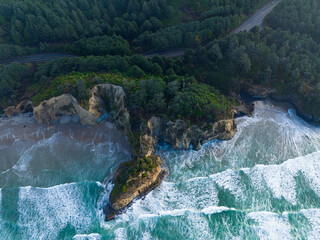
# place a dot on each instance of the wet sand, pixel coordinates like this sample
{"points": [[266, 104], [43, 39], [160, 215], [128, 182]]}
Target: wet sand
{"points": [[25, 128]]}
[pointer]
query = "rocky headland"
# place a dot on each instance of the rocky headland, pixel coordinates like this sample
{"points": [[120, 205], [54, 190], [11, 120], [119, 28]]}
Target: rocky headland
{"points": [[144, 172], [263, 92]]}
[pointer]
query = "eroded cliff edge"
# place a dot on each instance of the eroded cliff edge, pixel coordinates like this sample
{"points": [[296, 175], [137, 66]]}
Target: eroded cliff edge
{"points": [[144, 172]]}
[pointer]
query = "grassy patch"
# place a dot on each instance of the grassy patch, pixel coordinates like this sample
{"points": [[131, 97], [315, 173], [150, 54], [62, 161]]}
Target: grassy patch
{"points": [[79, 85]]}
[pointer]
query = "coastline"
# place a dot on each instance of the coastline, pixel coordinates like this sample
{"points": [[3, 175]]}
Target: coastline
{"points": [[128, 184]]}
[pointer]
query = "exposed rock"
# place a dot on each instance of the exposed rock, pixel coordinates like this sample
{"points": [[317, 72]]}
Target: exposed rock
{"points": [[180, 136], [11, 111], [139, 186], [110, 98], [257, 91], [25, 106], [244, 109], [136, 187], [64, 105], [129, 183]]}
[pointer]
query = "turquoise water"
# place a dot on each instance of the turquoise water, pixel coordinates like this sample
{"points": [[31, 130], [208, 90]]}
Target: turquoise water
{"points": [[262, 184]]}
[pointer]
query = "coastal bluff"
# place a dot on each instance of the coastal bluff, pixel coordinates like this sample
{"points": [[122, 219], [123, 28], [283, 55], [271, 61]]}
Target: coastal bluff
{"points": [[144, 172]]}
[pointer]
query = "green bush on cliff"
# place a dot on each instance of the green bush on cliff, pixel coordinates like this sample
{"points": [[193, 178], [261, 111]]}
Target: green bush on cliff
{"points": [[127, 172], [200, 102], [79, 85]]}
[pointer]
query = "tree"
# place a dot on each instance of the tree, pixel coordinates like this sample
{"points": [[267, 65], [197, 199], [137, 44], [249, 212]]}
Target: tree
{"points": [[135, 72]]}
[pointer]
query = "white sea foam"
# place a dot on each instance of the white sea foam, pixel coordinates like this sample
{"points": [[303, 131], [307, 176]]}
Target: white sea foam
{"points": [[230, 180], [44, 212], [121, 234], [271, 225], [313, 216], [280, 179], [215, 209], [92, 236], [282, 145]]}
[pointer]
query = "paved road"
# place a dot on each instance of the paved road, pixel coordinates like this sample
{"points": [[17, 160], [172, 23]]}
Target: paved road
{"points": [[257, 18], [169, 53], [36, 58]]}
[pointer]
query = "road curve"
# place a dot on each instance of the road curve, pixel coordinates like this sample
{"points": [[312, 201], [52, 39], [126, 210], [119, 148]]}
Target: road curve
{"points": [[254, 20], [257, 18]]}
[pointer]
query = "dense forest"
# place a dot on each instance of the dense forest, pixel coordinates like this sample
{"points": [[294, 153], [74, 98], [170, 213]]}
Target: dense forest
{"points": [[110, 34], [48, 25]]}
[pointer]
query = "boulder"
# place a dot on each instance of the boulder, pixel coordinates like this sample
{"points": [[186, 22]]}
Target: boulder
{"points": [[64, 105], [25, 106], [11, 111]]}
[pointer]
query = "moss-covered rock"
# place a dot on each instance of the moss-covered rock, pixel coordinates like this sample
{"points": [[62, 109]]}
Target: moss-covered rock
{"points": [[134, 179]]}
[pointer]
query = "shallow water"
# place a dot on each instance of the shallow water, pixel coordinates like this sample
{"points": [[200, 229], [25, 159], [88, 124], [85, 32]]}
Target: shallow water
{"points": [[262, 184]]}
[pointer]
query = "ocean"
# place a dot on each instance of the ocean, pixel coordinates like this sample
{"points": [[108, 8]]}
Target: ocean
{"points": [[262, 184]]}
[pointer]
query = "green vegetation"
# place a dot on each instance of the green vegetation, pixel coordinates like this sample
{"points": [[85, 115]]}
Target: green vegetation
{"points": [[201, 102], [100, 46], [284, 55], [28, 26], [129, 172], [79, 85]]}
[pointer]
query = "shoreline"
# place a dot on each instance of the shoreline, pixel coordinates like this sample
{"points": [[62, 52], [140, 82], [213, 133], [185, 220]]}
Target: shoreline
{"points": [[120, 200], [25, 127], [283, 101]]}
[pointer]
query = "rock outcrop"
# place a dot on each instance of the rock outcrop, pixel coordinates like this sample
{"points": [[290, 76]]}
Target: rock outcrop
{"points": [[137, 186], [24, 106], [110, 99], [244, 109], [262, 92], [11, 111], [64, 105], [180, 136], [137, 182]]}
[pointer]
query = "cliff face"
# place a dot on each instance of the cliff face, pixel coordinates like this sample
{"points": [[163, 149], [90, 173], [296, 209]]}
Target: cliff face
{"points": [[180, 136], [141, 184], [110, 99]]}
